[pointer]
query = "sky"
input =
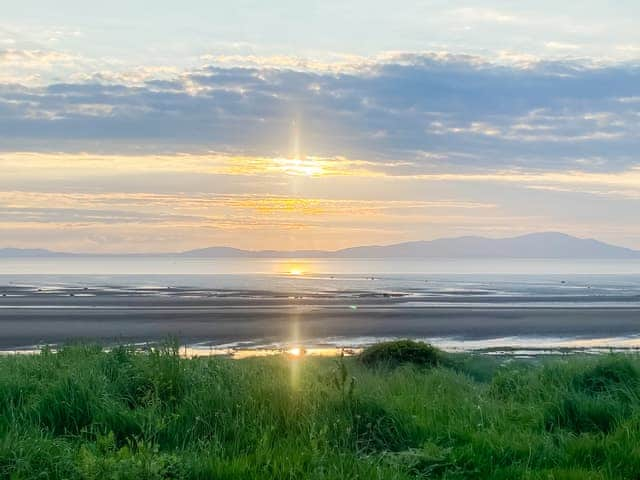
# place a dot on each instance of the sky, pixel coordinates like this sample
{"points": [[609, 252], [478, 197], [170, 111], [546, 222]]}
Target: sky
{"points": [[135, 127]]}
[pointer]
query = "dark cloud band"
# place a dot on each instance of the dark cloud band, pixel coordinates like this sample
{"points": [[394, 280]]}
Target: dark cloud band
{"points": [[436, 112]]}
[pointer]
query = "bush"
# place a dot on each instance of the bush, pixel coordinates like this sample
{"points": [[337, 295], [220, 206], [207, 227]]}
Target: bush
{"points": [[401, 352]]}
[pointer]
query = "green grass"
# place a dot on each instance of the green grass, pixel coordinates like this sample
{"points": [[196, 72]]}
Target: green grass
{"points": [[84, 413]]}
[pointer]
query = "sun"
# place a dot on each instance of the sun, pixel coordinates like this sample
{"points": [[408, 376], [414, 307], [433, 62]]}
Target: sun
{"points": [[295, 268], [307, 167], [296, 352]]}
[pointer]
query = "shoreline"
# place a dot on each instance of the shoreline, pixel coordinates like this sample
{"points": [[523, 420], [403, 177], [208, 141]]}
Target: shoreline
{"points": [[298, 349]]}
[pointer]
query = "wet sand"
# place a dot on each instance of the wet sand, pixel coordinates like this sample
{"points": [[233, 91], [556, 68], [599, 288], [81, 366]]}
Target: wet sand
{"points": [[31, 318]]}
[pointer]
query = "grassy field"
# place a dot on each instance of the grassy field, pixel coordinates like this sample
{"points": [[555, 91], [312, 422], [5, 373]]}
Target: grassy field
{"points": [[83, 413]]}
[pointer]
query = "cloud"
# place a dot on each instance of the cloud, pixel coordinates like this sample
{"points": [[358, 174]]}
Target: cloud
{"points": [[136, 207], [103, 217], [22, 165], [22, 58], [465, 110], [30, 66], [562, 46]]}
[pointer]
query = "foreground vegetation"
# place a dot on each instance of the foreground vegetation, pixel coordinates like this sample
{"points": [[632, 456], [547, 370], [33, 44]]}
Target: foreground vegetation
{"points": [[84, 413]]}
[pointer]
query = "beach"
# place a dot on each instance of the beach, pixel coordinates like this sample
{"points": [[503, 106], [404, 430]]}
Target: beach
{"points": [[213, 304], [36, 315]]}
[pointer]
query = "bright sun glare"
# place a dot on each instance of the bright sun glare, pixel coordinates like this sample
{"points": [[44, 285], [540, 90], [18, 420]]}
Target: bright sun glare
{"points": [[296, 351], [296, 166], [295, 271]]}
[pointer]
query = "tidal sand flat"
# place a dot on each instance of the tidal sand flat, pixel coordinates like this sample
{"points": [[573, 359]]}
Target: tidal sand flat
{"points": [[312, 325], [258, 311]]}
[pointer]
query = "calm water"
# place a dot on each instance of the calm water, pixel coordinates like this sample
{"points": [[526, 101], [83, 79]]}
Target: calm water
{"points": [[499, 281], [246, 266]]}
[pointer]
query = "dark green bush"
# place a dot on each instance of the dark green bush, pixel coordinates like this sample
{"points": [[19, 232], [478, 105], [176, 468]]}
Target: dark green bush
{"points": [[401, 352]]}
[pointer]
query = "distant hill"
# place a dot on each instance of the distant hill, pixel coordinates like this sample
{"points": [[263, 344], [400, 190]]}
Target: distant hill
{"points": [[29, 252], [227, 252], [534, 245]]}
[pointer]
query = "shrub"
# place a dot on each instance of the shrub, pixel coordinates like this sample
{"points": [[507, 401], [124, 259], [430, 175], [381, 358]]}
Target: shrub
{"points": [[401, 352]]}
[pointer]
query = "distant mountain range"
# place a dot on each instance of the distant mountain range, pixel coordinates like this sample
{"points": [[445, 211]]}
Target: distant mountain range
{"points": [[534, 245], [30, 252]]}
